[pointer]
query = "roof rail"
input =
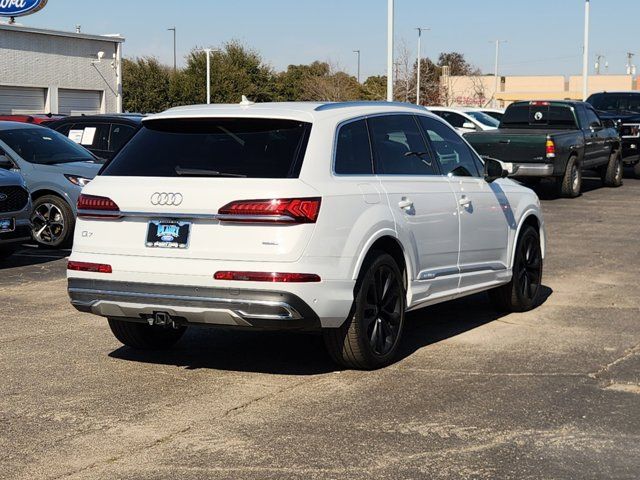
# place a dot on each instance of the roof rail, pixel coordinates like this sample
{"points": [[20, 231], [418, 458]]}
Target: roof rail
{"points": [[337, 105]]}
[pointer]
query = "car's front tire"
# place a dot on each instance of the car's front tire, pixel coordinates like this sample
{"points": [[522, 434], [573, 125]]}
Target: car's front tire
{"points": [[522, 293], [613, 171], [141, 336], [53, 222], [369, 338]]}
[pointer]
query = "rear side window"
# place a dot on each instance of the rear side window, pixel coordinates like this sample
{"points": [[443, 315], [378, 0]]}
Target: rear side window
{"points": [[534, 116], [399, 147], [353, 150], [221, 147], [120, 135], [453, 119]]}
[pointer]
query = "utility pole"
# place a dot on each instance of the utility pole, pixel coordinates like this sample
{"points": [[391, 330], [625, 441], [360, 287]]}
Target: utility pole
{"points": [[631, 68], [175, 57], [357, 52], [208, 52], [390, 34], [496, 72], [418, 83], [585, 58]]}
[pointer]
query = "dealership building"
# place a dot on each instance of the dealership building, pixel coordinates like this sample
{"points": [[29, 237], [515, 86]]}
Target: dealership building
{"points": [[49, 71]]}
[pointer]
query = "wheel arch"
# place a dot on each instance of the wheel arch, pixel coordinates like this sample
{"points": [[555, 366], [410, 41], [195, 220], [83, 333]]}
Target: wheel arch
{"points": [[532, 218], [388, 242]]}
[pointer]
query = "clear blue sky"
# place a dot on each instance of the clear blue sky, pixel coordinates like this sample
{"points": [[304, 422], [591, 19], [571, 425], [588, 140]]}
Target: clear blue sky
{"points": [[544, 36]]}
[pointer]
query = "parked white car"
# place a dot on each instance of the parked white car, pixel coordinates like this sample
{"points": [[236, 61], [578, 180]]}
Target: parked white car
{"points": [[466, 119], [336, 218], [496, 113]]}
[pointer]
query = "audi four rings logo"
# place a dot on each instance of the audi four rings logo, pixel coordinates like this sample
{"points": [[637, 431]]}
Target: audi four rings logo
{"points": [[167, 199]]}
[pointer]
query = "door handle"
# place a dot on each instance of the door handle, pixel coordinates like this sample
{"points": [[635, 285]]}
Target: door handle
{"points": [[405, 204], [464, 202]]}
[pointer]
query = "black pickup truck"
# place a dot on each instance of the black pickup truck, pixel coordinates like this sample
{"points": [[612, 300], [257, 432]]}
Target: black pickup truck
{"points": [[624, 109], [554, 139]]}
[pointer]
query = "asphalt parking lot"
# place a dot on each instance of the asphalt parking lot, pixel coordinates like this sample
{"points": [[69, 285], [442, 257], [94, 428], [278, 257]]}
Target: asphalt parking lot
{"points": [[554, 393]]}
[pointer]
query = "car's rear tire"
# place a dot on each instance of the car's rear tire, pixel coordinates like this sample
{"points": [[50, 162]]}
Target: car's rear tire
{"points": [[522, 293], [570, 184], [141, 336], [53, 222], [613, 171], [369, 338]]}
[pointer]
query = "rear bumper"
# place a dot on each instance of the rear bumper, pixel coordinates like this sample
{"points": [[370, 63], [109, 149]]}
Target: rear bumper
{"points": [[534, 169], [193, 305]]}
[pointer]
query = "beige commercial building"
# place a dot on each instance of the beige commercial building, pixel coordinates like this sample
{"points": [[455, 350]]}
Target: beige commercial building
{"points": [[479, 90]]}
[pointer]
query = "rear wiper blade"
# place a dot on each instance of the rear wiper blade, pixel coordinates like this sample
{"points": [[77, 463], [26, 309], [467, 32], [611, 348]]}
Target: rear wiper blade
{"points": [[201, 172]]}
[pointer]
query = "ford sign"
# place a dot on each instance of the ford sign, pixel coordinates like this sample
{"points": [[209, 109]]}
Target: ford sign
{"points": [[19, 8]]}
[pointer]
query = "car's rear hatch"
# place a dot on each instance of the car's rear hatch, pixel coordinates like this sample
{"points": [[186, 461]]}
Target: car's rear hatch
{"points": [[167, 188]]}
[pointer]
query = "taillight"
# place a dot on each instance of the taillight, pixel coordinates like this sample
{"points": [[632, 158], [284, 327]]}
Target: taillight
{"points": [[551, 149], [267, 277], [539, 104], [91, 206], [288, 210], [89, 267]]}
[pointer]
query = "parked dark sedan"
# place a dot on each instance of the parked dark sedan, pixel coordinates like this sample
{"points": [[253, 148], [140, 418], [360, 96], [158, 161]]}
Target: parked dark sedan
{"points": [[102, 135]]}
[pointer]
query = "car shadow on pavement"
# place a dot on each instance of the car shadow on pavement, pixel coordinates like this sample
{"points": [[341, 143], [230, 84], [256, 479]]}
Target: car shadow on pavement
{"points": [[546, 189], [285, 353], [30, 255]]}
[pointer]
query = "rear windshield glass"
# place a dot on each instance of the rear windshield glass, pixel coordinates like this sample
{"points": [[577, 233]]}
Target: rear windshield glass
{"points": [[535, 116], [226, 147], [44, 147], [616, 102]]}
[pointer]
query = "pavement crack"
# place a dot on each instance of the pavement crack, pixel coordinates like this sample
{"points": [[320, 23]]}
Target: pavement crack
{"points": [[248, 403], [635, 350]]}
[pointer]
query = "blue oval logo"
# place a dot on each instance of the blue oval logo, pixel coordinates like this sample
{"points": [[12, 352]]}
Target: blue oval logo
{"points": [[19, 8]]}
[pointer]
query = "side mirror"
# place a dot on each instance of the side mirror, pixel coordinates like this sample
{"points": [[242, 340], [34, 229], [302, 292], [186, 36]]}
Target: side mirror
{"points": [[495, 169], [469, 126]]}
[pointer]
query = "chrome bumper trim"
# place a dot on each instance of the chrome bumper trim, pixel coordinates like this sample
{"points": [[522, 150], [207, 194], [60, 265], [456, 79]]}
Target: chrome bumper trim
{"points": [[533, 170]]}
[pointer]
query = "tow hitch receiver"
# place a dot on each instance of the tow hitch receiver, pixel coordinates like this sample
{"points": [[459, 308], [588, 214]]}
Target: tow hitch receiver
{"points": [[161, 319]]}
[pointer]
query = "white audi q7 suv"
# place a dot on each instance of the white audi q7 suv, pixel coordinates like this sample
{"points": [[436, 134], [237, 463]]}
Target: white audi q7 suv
{"points": [[334, 217]]}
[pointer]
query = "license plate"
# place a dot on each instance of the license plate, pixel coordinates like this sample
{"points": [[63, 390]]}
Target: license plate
{"points": [[168, 234], [7, 225]]}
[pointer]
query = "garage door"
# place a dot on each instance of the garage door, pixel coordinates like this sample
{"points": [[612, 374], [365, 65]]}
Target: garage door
{"points": [[78, 102], [21, 100]]}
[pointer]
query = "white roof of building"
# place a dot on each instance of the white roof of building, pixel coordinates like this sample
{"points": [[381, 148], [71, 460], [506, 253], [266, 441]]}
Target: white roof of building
{"points": [[303, 111]]}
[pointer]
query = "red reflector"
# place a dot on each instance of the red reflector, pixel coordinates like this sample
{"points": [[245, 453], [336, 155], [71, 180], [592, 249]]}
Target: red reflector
{"points": [[288, 210], [91, 206], [267, 277], [89, 267]]}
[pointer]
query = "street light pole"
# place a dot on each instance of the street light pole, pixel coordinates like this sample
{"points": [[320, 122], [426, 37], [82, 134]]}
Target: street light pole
{"points": [[496, 72], [208, 52], [390, 34], [357, 52], [418, 85], [585, 58], [175, 60]]}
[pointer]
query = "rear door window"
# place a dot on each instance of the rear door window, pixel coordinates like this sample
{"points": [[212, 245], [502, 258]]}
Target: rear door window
{"points": [[222, 147], [534, 116], [454, 119], [120, 135], [353, 150], [399, 146], [93, 136]]}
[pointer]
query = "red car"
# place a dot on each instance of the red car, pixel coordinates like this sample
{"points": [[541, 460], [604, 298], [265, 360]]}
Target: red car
{"points": [[37, 119]]}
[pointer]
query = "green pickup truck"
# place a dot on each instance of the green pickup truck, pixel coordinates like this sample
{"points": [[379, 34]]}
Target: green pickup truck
{"points": [[556, 139]]}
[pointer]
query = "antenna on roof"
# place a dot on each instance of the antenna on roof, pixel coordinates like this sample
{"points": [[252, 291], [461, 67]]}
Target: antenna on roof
{"points": [[246, 102]]}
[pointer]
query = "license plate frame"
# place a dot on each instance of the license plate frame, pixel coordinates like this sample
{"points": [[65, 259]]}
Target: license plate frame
{"points": [[169, 234], [7, 225]]}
